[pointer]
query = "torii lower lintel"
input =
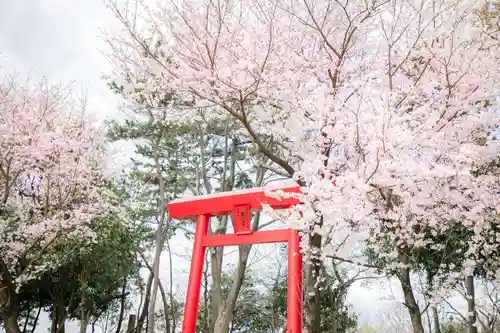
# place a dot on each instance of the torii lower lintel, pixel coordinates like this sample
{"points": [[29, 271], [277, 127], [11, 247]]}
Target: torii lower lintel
{"points": [[240, 204]]}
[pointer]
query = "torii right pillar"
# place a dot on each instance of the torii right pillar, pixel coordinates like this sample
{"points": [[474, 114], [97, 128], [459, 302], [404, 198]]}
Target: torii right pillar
{"points": [[241, 205]]}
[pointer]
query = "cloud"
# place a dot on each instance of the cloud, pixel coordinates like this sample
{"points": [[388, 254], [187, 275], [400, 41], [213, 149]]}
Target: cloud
{"points": [[60, 39]]}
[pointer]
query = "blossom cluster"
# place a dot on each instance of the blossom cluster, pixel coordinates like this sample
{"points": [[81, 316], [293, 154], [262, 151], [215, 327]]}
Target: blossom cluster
{"points": [[51, 181], [397, 101]]}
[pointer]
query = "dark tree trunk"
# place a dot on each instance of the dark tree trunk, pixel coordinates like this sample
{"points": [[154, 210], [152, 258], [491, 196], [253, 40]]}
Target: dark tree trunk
{"points": [[216, 298], [223, 323], [312, 306], [131, 323], [53, 326], [435, 314], [410, 301], [122, 305], [61, 320], [144, 314], [437, 324], [93, 326], [84, 321], [11, 325], [9, 302], [471, 304], [205, 320]]}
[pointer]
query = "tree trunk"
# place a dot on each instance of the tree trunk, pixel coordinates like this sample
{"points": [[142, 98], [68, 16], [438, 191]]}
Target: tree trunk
{"points": [[59, 316], [205, 320], [160, 240], [84, 322], [312, 306], [61, 322], [409, 296], [216, 300], [437, 324], [172, 308], [53, 325], [11, 325], [471, 304], [166, 312], [9, 302], [93, 326], [122, 305], [216, 254], [142, 317], [225, 314], [335, 297], [161, 235], [131, 323], [163, 297]]}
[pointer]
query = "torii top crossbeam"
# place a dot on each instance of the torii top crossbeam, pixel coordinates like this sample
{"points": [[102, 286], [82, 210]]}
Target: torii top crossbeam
{"points": [[223, 203], [240, 204]]}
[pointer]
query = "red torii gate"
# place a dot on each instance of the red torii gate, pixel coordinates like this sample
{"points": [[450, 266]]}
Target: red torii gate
{"points": [[240, 204]]}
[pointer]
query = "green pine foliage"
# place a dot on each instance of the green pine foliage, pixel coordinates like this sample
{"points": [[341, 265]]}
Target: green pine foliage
{"points": [[93, 274]]}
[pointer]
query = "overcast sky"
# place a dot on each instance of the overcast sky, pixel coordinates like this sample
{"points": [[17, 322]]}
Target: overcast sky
{"points": [[62, 39]]}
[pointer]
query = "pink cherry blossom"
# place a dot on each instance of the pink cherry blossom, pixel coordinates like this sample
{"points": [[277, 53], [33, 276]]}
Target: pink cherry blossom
{"points": [[51, 181], [395, 100]]}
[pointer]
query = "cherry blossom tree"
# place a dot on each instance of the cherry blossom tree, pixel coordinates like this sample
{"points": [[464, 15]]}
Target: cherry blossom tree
{"points": [[396, 100], [51, 184]]}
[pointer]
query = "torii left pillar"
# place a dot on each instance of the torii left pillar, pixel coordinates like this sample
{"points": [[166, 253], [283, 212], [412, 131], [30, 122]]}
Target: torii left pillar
{"points": [[241, 204]]}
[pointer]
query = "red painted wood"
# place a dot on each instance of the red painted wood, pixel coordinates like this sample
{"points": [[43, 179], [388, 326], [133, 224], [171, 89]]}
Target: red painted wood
{"points": [[222, 203], [240, 204], [241, 219], [195, 275], [259, 237], [294, 294]]}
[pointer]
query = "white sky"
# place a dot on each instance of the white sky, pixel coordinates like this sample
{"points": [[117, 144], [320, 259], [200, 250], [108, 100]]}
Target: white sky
{"points": [[61, 39]]}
